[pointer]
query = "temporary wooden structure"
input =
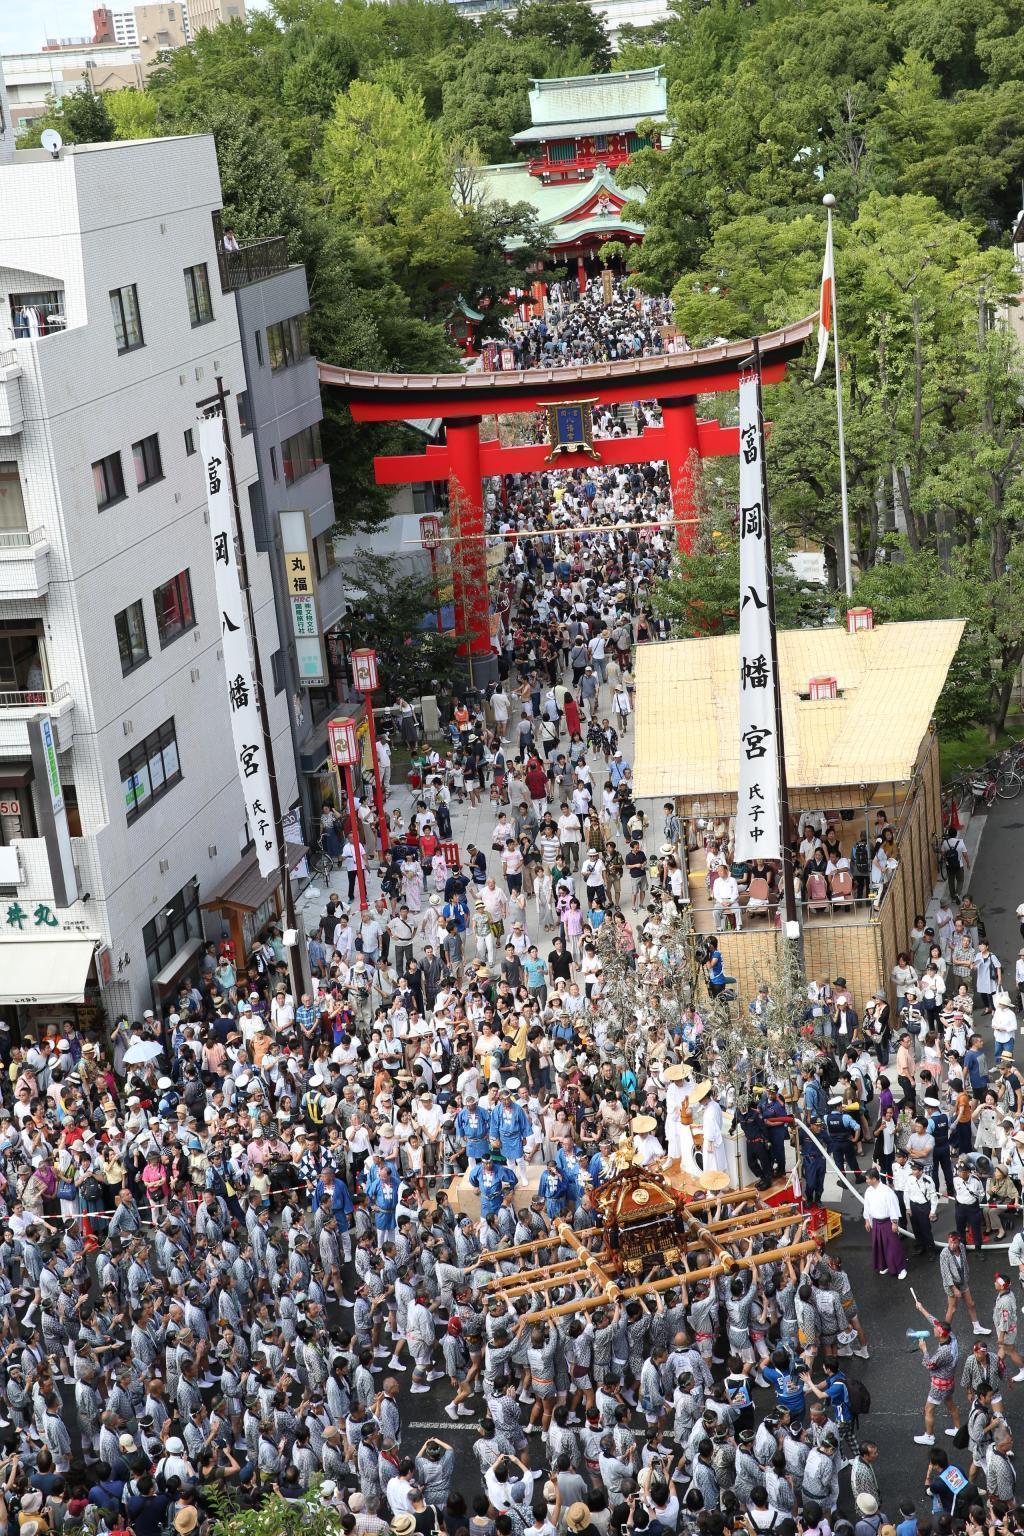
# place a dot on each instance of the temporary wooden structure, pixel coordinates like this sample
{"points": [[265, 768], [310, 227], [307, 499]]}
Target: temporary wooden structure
{"points": [[658, 1231]]}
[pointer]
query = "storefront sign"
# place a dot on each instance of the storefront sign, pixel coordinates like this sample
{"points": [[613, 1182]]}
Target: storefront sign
{"points": [[28, 915], [757, 807], [301, 575], [299, 569], [303, 616], [246, 729]]}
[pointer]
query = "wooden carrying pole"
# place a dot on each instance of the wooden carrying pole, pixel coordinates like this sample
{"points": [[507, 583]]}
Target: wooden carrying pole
{"points": [[754, 1261]]}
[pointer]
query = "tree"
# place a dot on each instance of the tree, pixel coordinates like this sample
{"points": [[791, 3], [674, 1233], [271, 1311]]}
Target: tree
{"points": [[132, 113], [702, 594], [562, 24], [80, 118], [485, 90], [395, 614], [385, 168]]}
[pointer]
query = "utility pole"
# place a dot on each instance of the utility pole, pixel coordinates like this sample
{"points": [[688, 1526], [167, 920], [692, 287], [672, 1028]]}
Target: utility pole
{"points": [[216, 405]]}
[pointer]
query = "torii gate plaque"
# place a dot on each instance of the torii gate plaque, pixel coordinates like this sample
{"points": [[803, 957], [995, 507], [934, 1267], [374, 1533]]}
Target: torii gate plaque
{"points": [[673, 379]]}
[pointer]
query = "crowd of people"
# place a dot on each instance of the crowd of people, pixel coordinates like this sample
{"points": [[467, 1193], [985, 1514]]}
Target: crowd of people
{"points": [[232, 1253]]}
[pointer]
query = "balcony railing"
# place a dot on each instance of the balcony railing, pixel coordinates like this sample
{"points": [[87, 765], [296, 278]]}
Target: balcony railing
{"points": [[250, 263], [21, 538], [36, 698], [9, 357]]}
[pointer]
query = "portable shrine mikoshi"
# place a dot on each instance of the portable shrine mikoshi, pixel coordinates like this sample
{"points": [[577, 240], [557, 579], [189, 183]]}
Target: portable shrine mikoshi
{"points": [[657, 1231]]}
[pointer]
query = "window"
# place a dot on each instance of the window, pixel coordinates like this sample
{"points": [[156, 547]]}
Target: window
{"points": [[258, 513], [108, 480], [174, 612], [197, 287], [636, 142], [12, 502], [302, 453], [259, 347], [148, 467], [190, 442], [167, 933], [600, 142], [244, 422], [130, 624], [277, 670], [323, 554], [273, 461], [149, 770], [124, 306], [559, 153], [288, 342]]}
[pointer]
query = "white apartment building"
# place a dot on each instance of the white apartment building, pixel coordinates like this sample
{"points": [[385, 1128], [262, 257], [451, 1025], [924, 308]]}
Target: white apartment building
{"points": [[113, 326]]}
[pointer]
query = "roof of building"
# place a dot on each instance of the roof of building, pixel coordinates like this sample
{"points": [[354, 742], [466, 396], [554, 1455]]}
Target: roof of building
{"points": [[574, 130], [606, 226], [634, 93], [889, 678], [554, 201]]}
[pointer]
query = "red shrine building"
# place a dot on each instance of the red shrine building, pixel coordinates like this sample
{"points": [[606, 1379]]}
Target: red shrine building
{"points": [[581, 129]]}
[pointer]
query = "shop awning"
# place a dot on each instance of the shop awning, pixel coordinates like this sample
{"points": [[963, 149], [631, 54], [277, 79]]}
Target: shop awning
{"points": [[245, 888], [179, 963], [50, 970]]}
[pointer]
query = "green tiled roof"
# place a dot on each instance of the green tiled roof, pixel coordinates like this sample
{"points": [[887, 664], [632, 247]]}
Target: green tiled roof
{"points": [[635, 93], [538, 135], [513, 183]]}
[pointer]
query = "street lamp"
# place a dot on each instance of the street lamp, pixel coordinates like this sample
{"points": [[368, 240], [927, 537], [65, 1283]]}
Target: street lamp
{"points": [[343, 744], [430, 538], [366, 681]]}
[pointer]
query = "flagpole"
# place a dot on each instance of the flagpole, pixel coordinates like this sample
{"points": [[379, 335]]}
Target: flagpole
{"points": [[830, 202]]}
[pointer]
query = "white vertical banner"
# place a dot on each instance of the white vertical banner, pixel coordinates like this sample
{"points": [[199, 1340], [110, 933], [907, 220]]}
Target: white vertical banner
{"points": [[246, 729], [757, 806]]}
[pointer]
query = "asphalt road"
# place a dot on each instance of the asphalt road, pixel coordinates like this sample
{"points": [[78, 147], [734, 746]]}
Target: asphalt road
{"points": [[893, 1375]]}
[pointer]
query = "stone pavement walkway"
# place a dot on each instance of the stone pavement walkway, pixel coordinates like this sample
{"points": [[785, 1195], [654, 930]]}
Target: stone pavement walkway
{"points": [[474, 824]]}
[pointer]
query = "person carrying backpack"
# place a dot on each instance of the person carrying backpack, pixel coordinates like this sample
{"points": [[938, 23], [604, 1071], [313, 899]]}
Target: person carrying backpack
{"points": [[954, 859]]}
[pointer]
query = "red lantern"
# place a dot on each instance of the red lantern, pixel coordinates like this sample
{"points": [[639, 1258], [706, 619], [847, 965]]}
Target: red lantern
{"points": [[364, 670], [430, 531], [343, 742]]}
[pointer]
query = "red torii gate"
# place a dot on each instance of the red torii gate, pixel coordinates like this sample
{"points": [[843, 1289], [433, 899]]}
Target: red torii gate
{"points": [[673, 379]]}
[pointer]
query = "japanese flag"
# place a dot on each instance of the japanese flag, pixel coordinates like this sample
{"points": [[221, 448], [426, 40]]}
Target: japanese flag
{"points": [[828, 277]]}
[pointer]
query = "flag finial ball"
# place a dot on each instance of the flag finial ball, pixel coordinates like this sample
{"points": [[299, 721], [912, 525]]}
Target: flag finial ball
{"points": [[829, 200]]}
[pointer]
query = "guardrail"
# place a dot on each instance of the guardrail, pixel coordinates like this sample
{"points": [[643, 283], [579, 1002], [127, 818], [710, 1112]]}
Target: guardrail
{"points": [[35, 698], [20, 538]]}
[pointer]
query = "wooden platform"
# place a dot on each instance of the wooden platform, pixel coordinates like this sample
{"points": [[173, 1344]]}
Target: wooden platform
{"points": [[465, 1200]]}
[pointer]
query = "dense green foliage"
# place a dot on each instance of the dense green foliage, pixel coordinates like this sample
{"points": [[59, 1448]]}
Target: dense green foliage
{"points": [[356, 128], [912, 115]]}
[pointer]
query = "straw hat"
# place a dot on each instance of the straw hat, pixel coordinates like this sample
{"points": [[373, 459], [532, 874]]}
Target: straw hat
{"points": [[677, 1072], [713, 1179], [701, 1091], [186, 1520], [577, 1517], [641, 1124]]}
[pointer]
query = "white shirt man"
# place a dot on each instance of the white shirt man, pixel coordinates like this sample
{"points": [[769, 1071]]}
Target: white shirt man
{"points": [[725, 893], [1004, 1024]]}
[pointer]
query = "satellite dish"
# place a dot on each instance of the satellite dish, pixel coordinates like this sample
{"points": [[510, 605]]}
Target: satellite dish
{"points": [[50, 139]]}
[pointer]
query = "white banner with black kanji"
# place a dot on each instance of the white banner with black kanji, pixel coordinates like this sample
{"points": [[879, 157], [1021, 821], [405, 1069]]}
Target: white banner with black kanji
{"points": [[246, 729], [757, 806]]}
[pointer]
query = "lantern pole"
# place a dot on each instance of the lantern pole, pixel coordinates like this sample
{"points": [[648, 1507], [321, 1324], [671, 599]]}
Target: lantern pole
{"points": [[366, 680], [353, 822], [341, 736]]}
